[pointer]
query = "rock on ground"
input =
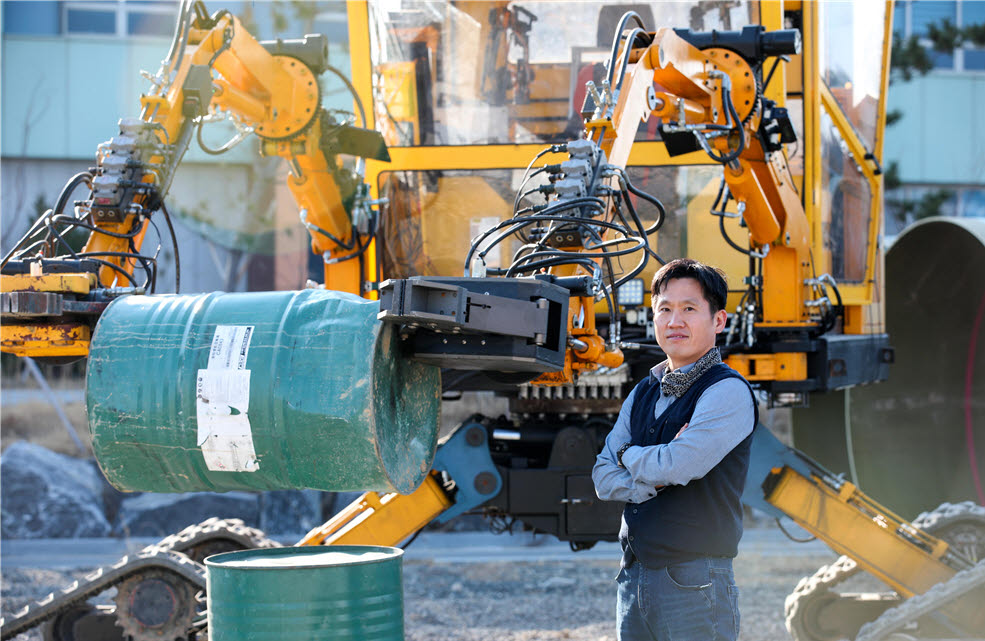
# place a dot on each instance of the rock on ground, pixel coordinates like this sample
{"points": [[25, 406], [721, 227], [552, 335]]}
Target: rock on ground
{"points": [[290, 511], [153, 514], [47, 495], [44, 494]]}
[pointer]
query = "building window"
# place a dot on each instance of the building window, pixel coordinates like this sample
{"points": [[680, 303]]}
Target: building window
{"points": [[148, 23], [86, 20], [973, 203], [914, 17], [120, 18], [924, 13]]}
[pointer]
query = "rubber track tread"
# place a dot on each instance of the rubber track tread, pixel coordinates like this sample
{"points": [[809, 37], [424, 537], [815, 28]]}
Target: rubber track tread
{"points": [[820, 584], [102, 579], [816, 587], [947, 513], [923, 604], [167, 554], [214, 529]]}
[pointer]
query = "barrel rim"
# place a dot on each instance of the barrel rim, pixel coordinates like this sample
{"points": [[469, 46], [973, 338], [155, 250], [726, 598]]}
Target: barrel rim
{"points": [[973, 226], [218, 560]]}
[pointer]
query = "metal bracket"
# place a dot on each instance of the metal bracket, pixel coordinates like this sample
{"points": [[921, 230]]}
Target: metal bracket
{"points": [[30, 304], [464, 456], [480, 324], [440, 306]]}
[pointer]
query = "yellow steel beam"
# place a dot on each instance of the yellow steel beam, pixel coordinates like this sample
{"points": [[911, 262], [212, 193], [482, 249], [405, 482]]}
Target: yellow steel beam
{"points": [[383, 519], [847, 131], [360, 59], [887, 44], [472, 157], [771, 16], [813, 169], [851, 523]]}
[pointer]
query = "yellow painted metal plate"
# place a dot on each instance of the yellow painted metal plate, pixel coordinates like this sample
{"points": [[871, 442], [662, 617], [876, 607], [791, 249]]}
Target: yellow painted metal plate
{"points": [[783, 366], [65, 283], [158, 103], [510, 157], [45, 340], [383, 519], [743, 81], [291, 119]]}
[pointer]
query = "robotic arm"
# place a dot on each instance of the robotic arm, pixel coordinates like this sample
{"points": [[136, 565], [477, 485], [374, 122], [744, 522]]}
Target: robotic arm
{"points": [[52, 294], [706, 89], [711, 99]]}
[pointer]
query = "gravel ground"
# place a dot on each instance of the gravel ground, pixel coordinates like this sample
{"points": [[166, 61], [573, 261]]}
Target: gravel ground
{"points": [[517, 601], [569, 599]]}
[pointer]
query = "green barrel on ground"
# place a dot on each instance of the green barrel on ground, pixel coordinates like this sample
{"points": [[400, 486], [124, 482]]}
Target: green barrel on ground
{"points": [[337, 593], [918, 438], [257, 391]]}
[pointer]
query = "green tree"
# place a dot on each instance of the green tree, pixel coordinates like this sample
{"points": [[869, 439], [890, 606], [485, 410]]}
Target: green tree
{"points": [[908, 58]]}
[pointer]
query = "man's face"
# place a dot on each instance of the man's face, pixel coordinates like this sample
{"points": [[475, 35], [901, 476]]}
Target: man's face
{"points": [[684, 323]]}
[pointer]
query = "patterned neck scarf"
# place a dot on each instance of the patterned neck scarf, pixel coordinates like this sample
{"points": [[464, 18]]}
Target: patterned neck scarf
{"points": [[675, 383]]}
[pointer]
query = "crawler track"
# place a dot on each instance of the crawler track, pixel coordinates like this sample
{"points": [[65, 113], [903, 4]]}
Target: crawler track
{"points": [[172, 564], [962, 525]]}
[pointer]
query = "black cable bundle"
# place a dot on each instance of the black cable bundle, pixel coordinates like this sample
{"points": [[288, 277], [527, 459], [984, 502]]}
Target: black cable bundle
{"points": [[584, 216]]}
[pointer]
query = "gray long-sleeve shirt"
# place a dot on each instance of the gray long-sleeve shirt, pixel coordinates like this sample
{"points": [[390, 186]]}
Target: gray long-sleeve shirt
{"points": [[721, 419]]}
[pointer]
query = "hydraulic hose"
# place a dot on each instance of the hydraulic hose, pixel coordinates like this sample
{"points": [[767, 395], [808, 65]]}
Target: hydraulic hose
{"points": [[617, 38], [630, 39], [183, 14], [60, 204], [174, 244], [352, 90]]}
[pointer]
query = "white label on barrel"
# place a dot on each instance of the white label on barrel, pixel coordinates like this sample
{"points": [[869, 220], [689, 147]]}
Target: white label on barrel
{"points": [[222, 400], [230, 346]]}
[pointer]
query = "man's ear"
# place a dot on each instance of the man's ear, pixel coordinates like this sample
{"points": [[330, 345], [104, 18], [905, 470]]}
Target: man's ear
{"points": [[721, 317]]}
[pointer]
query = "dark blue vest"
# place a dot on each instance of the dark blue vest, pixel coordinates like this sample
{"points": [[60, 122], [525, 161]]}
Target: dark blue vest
{"points": [[685, 522]]}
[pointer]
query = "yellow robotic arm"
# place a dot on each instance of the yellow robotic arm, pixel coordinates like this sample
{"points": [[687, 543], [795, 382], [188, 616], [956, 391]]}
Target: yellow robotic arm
{"points": [[706, 91], [711, 100], [53, 294]]}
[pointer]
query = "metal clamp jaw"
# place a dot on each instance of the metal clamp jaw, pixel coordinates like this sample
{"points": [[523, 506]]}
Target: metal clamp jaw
{"points": [[483, 324]]}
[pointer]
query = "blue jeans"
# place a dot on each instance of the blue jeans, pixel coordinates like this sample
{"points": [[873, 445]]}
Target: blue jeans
{"points": [[691, 601]]}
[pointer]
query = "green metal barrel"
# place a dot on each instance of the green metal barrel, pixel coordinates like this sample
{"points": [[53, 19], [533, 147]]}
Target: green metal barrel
{"points": [[338, 593], [917, 439], [257, 391]]}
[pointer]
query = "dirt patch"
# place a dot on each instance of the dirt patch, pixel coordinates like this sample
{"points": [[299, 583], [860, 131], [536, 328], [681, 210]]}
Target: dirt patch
{"points": [[38, 422]]}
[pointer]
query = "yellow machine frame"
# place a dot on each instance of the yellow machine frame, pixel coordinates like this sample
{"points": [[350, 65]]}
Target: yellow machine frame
{"points": [[862, 302], [253, 83]]}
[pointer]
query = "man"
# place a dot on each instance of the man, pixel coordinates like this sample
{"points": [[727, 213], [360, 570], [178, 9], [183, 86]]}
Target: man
{"points": [[677, 456]]}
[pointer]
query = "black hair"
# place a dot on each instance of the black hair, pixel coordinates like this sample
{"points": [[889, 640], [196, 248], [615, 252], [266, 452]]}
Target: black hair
{"points": [[714, 287]]}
